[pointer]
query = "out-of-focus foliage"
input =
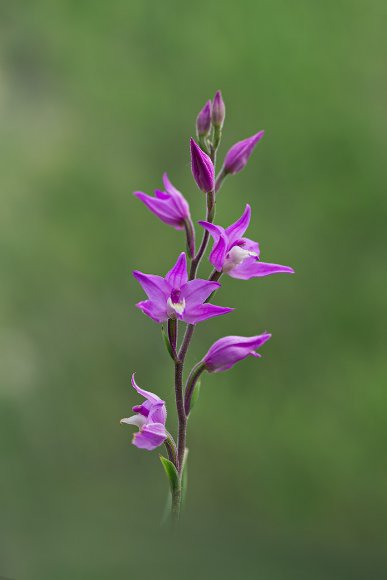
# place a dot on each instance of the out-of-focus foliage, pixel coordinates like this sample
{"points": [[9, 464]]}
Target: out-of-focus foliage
{"points": [[288, 475]]}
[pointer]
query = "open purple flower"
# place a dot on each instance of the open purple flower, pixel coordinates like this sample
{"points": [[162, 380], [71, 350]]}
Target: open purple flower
{"points": [[150, 418], [237, 256], [239, 154], [174, 297], [169, 205], [227, 351]]}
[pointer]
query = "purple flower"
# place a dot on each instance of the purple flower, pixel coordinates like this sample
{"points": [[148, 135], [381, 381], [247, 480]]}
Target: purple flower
{"points": [[150, 418], [239, 154], [202, 168], [203, 120], [175, 297], [169, 205], [218, 110], [227, 351], [237, 256]]}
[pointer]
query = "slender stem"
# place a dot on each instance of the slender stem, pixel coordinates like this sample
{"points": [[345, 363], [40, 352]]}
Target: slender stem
{"points": [[182, 419], [190, 234], [176, 504], [210, 218], [180, 356], [191, 383], [220, 178], [186, 340], [215, 276]]}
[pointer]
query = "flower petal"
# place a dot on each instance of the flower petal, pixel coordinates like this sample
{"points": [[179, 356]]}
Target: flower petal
{"points": [[158, 413], [250, 245], [153, 310], [219, 249], [178, 276], [179, 200], [252, 268], [151, 436], [197, 291], [227, 351], [163, 207], [203, 312], [237, 229], [237, 157], [137, 420], [155, 287], [154, 399]]}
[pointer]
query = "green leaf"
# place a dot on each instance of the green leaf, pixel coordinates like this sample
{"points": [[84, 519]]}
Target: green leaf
{"points": [[171, 471], [167, 343], [184, 477], [195, 394]]}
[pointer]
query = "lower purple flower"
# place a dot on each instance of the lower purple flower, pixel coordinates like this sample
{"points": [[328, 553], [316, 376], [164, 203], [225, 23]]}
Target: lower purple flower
{"points": [[227, 351], [150, 418], [237, 256], [174, 297]]}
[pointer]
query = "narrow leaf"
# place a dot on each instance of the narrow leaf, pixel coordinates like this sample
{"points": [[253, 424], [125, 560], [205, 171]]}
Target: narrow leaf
{"points": [[184, 477], [171, 472], [167, 343], [195, 395]]}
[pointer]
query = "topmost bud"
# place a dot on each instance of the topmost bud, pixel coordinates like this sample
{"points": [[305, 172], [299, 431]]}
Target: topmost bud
{"points": [[203, 120], [218, 110]]}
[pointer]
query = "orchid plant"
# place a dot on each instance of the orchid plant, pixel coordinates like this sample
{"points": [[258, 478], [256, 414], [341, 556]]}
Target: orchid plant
{"points": [[182, 298]]}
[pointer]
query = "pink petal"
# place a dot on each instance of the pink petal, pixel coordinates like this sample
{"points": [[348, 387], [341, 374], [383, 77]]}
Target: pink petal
{"points": [[252, 268], [204, 311], [153, 310], [219, 249], [151, 436], [197, 291], [163, 207], [249, 245], [154, 287], [154, 399], [178, 276], [178, 198], [237, 229]]}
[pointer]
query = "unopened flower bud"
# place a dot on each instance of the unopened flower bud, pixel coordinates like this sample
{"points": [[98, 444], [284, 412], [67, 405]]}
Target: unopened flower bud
{"points": [[202, 168], [239, 154], [227, 351], [218, 110], [203, 120]]}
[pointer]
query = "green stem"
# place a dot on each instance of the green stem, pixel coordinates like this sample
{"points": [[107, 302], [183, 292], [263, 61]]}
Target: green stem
{"points": [[219, 180], [176, 505]]}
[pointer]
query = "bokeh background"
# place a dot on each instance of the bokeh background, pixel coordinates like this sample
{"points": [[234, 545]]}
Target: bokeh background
{"points": [[288, 468]]}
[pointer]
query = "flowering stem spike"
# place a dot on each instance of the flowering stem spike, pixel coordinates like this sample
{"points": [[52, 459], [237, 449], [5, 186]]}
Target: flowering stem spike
{"points": [[182, 298]]}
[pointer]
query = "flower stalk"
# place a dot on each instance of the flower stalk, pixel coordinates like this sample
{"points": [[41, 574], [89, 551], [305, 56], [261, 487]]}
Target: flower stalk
{"points": [[182, 297]]}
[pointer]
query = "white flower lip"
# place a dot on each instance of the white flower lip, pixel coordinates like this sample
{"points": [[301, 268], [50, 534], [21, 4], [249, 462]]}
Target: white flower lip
{"points": [[176, 307], [236, 256]]}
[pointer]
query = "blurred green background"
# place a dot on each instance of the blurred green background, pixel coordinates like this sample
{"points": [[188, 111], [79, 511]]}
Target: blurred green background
{"points": [[288, 470]]}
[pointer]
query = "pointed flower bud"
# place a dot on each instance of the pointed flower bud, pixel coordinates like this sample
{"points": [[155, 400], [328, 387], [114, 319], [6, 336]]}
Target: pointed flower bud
{"points": [[203, 120], [202, 168], [218, 110], [239, 154], [227, 351]]}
